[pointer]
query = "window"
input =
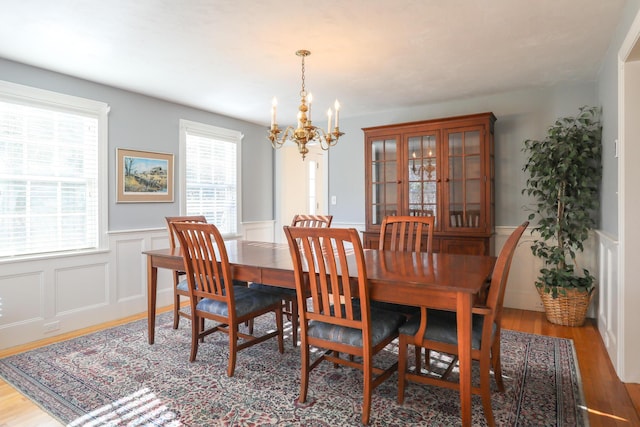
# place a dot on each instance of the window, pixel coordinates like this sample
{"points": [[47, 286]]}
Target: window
{"points": [[52, 183], [209, 174]]}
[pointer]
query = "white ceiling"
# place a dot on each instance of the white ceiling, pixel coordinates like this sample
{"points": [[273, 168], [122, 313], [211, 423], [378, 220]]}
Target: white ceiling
{"points": [[233, 56]]}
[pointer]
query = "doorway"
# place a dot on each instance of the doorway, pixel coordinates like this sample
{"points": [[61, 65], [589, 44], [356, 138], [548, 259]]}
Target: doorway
{"points": [[301, 185]]}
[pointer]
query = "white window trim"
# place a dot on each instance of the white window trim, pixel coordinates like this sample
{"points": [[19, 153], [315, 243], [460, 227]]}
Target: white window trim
{"points": [[35, 97], [209, 131]]}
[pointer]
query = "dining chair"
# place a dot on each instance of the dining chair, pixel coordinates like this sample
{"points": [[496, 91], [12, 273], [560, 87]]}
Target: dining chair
{"points": [[289, 299], [213, 295], [304, 220], [405, 233], [180, 286], [325, 261], [439, 333]]}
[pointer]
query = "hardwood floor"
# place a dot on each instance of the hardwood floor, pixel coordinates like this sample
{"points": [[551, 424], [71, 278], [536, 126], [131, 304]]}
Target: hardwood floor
{"points": [[609, 401]]}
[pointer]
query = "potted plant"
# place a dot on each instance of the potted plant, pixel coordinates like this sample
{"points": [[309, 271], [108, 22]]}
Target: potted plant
{"points": [[564, 178]]}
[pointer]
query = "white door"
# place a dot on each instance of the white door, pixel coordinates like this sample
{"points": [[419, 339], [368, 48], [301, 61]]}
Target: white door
{"points": [[301, 186], [317, 199]]}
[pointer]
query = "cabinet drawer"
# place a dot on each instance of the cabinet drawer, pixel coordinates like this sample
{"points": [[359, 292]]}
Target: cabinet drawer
{"points": [[466, 246]]}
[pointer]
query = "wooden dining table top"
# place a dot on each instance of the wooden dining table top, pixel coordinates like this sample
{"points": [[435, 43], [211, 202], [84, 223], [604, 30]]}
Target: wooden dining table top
{"points": [[399, 277]]}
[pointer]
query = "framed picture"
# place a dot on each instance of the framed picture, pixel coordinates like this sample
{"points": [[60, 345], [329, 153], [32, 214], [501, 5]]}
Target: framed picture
{"points": [[144, 176]]}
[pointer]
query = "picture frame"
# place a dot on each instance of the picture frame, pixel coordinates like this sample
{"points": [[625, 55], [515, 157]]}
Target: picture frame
{"points": [[143, 176]]}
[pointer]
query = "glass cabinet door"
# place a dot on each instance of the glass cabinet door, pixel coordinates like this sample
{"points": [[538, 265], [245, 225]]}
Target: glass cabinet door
{"points": [[384, 179], [465, 180], [422, 169]]}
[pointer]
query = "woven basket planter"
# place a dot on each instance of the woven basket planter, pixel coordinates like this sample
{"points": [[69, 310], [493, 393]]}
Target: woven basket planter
{"points": [[566, 310]]}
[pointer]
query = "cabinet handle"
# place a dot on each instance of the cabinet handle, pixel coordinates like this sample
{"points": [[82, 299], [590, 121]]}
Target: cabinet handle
{"points": [[446, 180]]}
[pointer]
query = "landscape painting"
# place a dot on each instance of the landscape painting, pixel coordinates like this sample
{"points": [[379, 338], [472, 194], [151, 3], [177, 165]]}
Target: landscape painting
{"points": [[144, 176]]}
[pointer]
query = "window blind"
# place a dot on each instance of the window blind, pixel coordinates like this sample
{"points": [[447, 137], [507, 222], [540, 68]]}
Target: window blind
{"points": [[48, 179], [211, 180]]}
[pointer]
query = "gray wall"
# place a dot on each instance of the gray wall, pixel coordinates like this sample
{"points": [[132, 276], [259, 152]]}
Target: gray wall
{"points": [[144, 123], [521, 115]]}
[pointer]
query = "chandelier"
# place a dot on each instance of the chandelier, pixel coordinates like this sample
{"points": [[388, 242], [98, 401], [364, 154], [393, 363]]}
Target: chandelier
{"points": [[305, 132]]}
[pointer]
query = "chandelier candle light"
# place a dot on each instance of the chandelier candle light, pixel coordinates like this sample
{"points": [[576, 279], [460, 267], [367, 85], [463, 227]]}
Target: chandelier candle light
{"points": [[305, 132]]}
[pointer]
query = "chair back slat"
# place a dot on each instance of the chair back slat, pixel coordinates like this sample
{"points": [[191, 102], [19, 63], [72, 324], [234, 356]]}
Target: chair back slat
{"points": [[206, 261], [407, 233], [311, 220], [325, 262], [186, 218]]}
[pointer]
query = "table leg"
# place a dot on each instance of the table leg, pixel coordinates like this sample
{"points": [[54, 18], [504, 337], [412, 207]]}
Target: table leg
{"points": [[464, 302], [152, 285]]}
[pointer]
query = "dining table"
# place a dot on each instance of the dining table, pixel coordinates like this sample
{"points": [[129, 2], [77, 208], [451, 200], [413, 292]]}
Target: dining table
{"points": [[436, 281]]}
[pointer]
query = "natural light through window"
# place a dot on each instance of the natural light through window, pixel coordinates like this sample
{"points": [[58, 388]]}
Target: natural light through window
{"points": [[210, 174], [50, 148], [140, 408]]}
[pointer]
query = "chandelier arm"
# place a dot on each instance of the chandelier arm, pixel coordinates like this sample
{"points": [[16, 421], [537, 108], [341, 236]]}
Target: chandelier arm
{"points": [[288, 134], [326, 140]]}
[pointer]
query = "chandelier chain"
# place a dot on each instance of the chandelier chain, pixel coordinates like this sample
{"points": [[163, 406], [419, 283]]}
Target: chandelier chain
{"points": [[303, 92]]}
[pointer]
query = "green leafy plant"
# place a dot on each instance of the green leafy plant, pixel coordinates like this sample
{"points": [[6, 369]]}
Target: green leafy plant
{"points": [[565, 169]]}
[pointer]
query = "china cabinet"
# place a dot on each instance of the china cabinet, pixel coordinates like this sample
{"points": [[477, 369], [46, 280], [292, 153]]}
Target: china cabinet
{"points": [[442, 167]]}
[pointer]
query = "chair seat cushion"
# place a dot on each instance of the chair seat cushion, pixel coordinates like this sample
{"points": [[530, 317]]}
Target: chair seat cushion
{"points": [[246, 301], [442, 326], [283, 292], [383, 324], [183, 285]]}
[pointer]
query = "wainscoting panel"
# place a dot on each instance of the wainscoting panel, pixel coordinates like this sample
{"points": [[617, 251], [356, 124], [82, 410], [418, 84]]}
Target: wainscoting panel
{"points": [[45, 297], [521, 290], [130, 270], [81, 288], [48, 296], [15, 289], [609, 297], [165, 277]]}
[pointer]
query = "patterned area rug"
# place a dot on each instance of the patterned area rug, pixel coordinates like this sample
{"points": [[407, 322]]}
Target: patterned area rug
{"points": [[114, 377]]}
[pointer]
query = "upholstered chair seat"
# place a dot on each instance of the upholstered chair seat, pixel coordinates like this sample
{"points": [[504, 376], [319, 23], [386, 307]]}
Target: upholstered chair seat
{"points": [[246, 301], [383, 324], [442, 327]]}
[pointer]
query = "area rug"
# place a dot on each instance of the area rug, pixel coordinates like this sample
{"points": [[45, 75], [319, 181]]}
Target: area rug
{"points": [[115, 378]]}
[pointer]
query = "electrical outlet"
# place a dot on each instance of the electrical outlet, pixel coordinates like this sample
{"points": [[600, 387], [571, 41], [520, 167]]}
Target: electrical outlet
{"points": [[333, 200], [51, 326]]}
